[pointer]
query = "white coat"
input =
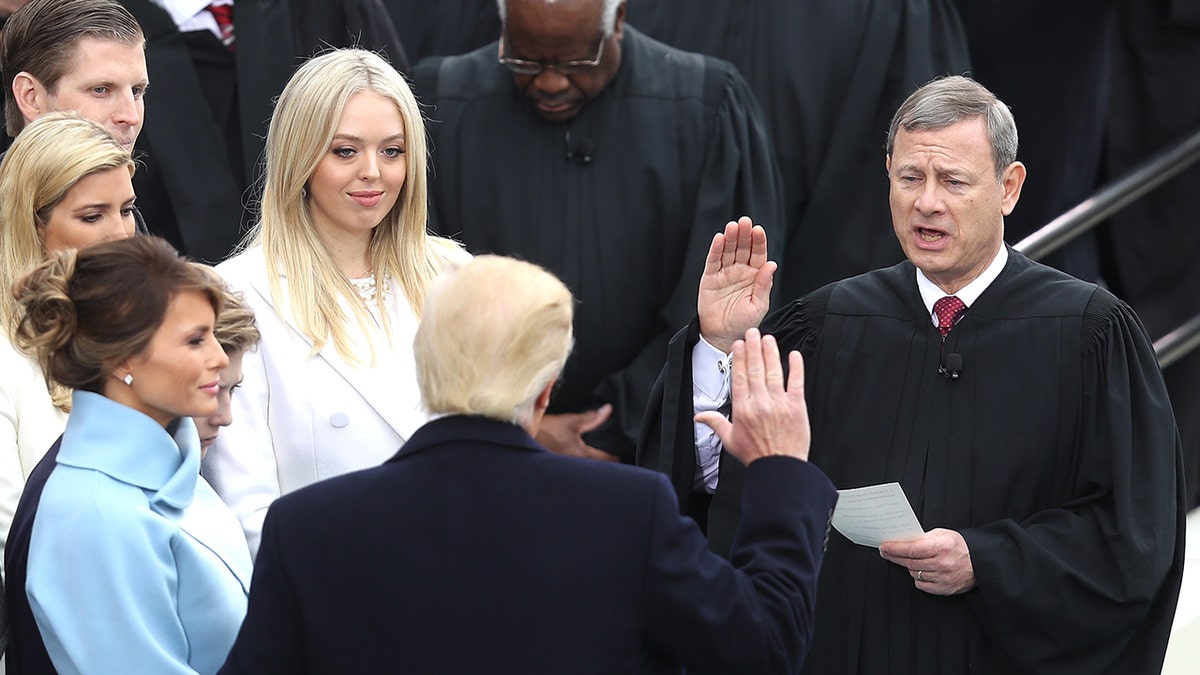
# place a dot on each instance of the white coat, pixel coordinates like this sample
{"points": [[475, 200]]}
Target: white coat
{"points": [[299, 419]]}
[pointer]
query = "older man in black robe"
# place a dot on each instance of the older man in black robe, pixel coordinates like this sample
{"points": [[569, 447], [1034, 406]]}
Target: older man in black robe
{"points": [[1021, 410], [605, 157]]}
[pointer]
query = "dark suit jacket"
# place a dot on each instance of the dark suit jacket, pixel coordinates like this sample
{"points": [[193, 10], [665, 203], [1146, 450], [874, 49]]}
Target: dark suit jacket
{"points": [[207, 112], [476, 550], [26, 651]]}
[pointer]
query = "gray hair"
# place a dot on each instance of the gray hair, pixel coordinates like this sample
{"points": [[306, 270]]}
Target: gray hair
{"points": [[608, 16], [945, 101]]}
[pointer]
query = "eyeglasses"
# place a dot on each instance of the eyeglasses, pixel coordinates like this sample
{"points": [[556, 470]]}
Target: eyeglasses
{"points": [[568, 68]]}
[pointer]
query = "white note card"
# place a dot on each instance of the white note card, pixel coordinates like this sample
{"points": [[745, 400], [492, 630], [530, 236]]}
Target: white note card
{"points": [[872, 515]]}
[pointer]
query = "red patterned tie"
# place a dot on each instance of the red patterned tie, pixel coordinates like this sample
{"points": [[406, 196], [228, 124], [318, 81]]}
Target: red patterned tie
{"points": [[224, 16], [948, 310]]}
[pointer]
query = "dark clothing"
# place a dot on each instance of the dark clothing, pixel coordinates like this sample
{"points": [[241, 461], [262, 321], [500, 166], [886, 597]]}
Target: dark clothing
{"points": [[1061, 118], [26, 651], [1054, 454], [675, 147], [1155, 241], [475, 550], [829, 74], [208, 109], [445, 27]]}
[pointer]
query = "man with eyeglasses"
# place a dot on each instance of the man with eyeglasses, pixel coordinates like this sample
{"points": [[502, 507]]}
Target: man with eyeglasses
{"points": [[579, 144]]}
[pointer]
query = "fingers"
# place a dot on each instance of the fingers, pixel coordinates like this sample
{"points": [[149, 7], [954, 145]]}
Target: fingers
{"points": [[712, 264], [598, 454], [729, 253], [720, 426], [795, 382], [593, 418], [756, 244]]}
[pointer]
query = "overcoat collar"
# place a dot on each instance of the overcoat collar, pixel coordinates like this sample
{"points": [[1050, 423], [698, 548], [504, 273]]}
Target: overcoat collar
{"points": [[116, 440], [468, 429]]}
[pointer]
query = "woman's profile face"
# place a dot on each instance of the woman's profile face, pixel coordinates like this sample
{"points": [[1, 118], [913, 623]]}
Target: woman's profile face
{"points": [[179, 373], [362, 173], [96, 209]]}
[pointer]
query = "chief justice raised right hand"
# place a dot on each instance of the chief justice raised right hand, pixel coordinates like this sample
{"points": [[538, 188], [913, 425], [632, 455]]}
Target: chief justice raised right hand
{"points": [[735, 288]]}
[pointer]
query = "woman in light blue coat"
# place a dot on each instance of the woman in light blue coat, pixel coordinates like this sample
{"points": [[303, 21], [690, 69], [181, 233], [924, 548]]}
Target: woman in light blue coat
{"points": [[135, 565]]}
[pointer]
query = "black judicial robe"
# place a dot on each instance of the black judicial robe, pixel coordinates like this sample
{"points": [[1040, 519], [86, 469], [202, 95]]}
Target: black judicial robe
{"points": [[829, 75], [1054, 454], [675, 147]]}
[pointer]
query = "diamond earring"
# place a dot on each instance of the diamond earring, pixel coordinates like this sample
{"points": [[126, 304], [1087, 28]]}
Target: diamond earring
{"points": [[128, 379]]}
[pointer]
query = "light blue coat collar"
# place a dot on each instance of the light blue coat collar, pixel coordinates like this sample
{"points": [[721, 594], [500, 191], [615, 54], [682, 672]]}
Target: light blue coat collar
{"points": [[117, 440]]}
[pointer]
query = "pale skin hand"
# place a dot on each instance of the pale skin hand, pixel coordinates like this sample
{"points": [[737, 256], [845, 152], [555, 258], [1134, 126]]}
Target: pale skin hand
{"points": [[735, 289], [942, 558], [563, 433], [768, 418]]}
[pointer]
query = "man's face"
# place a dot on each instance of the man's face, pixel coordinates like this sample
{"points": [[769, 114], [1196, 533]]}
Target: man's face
{"points": [[556, 32], [105, 82], [947, 205]]}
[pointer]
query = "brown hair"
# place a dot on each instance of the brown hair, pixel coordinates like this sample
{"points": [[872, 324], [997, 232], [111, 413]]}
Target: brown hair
{"points": [[84, 312], [235, 329], [40, 39]]}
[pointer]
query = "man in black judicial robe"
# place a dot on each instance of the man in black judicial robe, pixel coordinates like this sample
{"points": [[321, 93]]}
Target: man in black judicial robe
{"points": [[1033, 438], [828, 74], [211, 105], [610, 177]]}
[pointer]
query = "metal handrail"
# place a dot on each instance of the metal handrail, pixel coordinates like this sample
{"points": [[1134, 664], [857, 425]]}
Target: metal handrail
{"points": [[1112, 198], [1176, 344]]}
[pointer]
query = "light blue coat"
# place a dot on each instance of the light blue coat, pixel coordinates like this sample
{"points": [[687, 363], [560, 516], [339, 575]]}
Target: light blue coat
{"points": [[135, 564]]}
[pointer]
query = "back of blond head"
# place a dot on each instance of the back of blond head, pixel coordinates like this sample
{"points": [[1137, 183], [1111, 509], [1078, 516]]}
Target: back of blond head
{"points": [[301, 131], [54, 153], [494, 333]]}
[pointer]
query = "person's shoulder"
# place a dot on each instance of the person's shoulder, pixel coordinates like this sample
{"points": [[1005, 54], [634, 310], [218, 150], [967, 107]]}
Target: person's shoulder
{"points": [[468, 75], [669, 72], [449, 251], [245, 261], [245, 270], [83, 500], [1027, 288], [871, 292]]}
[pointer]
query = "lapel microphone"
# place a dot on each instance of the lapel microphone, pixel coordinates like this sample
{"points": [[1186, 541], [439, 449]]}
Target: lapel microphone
{"points": [[952, 367]]}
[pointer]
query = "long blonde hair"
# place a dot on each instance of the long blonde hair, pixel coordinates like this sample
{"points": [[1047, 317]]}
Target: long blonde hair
{"points": [[45, 161], [301, 131]]}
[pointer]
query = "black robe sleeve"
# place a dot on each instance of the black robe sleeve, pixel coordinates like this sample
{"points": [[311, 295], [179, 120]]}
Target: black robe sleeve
{"points": [[667, 440], [1093, 583], [740, 177]]}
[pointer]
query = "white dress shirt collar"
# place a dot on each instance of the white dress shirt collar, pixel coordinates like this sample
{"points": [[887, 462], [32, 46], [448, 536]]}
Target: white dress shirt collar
{"points": [[930, 293], [190, 15]]}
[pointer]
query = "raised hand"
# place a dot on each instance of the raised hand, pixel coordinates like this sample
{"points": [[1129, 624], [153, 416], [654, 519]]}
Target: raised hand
{"points": [[735, 288], [768, 419]]}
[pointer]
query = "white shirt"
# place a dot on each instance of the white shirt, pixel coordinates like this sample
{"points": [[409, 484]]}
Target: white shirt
{"points": [[710, 369], [191, 15]]}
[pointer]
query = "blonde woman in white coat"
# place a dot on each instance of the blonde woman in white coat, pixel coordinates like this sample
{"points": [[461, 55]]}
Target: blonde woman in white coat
{"points": [[336, 272]]}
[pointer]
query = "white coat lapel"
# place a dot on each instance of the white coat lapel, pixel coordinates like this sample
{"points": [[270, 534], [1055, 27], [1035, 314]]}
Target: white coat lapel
{"points": [[380, 386]]}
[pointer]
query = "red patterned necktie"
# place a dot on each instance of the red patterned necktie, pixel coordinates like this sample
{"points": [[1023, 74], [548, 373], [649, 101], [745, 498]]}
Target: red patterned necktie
{"points": [[948, 310], [224, 16]]}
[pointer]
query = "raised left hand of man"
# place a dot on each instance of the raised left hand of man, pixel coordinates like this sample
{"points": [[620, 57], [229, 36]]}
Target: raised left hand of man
{"points": [[938, 561]]}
